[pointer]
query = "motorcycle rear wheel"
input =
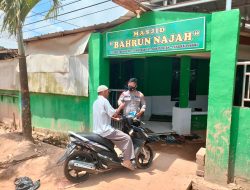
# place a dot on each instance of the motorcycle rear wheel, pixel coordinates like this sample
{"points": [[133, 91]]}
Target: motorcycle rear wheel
{"points": [[73, 175]]}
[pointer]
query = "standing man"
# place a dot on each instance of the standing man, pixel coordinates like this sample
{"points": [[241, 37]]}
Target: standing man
{"points": [[134, 100], [102, 114]]}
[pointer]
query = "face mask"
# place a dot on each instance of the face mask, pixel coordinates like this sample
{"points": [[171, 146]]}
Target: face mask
{"points": [[131, 88]]}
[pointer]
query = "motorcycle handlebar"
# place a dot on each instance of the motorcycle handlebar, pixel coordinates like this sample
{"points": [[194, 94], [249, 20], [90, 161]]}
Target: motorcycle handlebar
{"points": [[122, 118]]}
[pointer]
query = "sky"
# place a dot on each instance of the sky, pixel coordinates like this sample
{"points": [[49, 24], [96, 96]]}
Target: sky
{"points": [[65, 20]]}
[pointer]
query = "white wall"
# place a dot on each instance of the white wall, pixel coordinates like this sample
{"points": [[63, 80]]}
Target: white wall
{"points": [[162, 105]]}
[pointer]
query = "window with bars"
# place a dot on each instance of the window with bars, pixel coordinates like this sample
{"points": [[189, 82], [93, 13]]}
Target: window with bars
{"points": [[242, 85]]}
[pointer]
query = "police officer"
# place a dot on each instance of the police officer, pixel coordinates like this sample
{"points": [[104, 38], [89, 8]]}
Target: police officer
{"points": [[134, 100]]}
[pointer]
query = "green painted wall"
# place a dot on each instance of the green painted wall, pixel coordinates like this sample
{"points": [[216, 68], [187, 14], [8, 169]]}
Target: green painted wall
{"points": [[51, 111], [198, 122], [59, 113], [9, 105], [98, 70], [10, 97], [154, 74], [158, 76], [240, 142], [202, 81], [224, 47]]}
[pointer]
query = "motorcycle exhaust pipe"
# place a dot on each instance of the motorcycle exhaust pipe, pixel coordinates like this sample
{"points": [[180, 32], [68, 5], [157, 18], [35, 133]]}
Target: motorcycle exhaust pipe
{"points": [[84, 166]]}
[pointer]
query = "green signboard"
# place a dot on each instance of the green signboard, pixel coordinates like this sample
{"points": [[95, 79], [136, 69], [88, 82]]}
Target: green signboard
{"points": [[180, 35]]}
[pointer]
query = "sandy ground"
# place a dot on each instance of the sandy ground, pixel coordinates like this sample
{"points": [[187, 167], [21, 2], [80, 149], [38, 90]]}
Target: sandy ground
{"points": [[173, 168]]}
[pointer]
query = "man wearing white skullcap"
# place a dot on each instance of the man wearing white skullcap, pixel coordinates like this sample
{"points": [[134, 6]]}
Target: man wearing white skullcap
{"points": [[102, 114]]}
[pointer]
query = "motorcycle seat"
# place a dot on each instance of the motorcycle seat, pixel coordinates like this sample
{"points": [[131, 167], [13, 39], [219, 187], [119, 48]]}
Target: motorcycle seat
{"points": [[99, 139]]}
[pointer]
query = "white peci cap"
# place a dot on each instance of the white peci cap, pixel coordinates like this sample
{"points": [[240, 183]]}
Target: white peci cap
{"points": [[102, 88]]}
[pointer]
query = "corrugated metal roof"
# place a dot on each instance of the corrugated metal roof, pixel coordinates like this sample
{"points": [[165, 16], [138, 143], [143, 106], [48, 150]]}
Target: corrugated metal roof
{"points": [[93, 28], [8, 51]]}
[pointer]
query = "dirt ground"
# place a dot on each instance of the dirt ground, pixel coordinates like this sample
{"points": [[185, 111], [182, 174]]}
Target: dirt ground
{"points": [[173, 167]]}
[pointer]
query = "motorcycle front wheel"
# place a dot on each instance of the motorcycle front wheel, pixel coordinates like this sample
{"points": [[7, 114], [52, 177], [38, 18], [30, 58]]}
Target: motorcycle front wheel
{"points": [[144, 158], [73, 175]]}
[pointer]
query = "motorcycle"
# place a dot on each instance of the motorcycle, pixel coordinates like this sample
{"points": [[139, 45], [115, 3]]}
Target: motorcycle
{"points": [[89, 153]]}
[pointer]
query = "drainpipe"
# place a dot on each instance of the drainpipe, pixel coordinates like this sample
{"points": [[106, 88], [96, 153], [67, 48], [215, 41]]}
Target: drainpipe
{"points": [[228, 5]]}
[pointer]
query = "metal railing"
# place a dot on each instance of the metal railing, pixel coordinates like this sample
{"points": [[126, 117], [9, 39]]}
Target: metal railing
{"points": [[117, 124], [113, 97]]}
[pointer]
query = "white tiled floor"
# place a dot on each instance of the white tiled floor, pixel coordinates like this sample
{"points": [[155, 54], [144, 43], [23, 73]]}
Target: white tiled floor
{"points": [[158, 127]]}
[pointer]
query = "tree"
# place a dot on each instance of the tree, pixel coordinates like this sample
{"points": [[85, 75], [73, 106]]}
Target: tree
{"points": [[15, 13]]}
